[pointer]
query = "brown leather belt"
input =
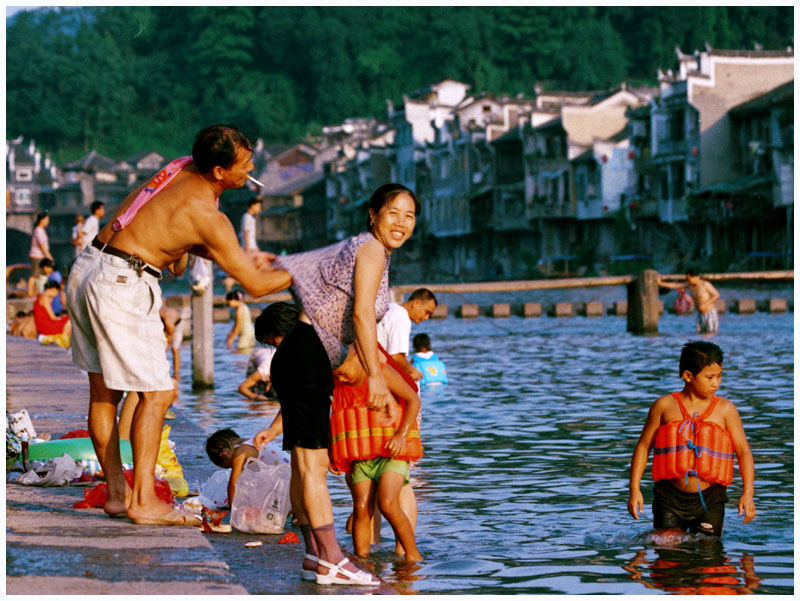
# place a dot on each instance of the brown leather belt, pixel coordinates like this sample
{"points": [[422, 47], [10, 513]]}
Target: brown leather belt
{"points": [[134, 262]]}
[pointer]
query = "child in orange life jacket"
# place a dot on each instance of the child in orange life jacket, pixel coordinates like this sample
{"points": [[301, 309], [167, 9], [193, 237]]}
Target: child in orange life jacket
{"points": [[376, 454], [695, 434]]}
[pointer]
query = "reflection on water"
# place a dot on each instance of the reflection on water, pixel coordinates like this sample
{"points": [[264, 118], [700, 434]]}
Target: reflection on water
{"points": [[523, 486]]}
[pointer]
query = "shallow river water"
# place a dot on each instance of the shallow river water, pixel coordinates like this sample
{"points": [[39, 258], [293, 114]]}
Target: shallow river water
{"points": [[523, 486]]}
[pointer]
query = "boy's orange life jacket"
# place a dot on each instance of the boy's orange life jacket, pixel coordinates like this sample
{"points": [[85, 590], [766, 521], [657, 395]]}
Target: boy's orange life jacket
{"points": [[693, 446], [358, 433]]}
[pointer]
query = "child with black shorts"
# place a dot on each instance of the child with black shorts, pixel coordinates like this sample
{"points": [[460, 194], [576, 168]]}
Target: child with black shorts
{"points": [[695, 435]]}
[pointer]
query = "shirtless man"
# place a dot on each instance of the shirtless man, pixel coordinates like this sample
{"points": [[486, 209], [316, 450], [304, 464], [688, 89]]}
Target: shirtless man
{"points": [[113, 298], [705, 296]]}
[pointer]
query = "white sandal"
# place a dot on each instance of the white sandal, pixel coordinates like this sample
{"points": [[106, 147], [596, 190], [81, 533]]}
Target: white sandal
{"points": [[360, 578], [309, 575]]}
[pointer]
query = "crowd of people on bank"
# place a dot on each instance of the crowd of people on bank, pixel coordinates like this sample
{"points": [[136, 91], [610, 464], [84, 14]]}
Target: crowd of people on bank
{"points": [[338, 357]]}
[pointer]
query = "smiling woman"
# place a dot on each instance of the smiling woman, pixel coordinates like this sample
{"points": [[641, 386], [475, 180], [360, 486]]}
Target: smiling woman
{"points": [[343, 291]]}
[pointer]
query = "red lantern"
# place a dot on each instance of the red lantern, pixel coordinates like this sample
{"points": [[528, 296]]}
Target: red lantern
{"points": [[695, 151], [604, 158], [631, 155]]}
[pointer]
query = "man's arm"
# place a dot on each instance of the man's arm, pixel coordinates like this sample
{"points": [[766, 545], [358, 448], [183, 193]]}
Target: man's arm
{"points": [[733, 423], [179, 267], [410, 369], [672, 285], [713, 293], [640, 454], [222, 246]]}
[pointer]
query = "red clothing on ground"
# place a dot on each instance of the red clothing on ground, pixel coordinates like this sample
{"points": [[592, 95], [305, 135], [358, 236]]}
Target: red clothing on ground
{"points": [[44, 323]]}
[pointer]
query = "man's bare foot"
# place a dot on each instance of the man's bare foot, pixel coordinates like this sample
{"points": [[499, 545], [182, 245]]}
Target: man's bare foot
{"points": [[162, 514], [119, 509]]}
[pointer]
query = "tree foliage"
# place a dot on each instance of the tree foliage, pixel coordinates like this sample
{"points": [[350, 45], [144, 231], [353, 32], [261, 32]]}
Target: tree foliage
{"points": [[131, 78]]}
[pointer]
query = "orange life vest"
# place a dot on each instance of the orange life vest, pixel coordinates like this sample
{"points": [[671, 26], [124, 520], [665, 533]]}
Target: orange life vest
{"points": [[358, 433], [693, 446]]}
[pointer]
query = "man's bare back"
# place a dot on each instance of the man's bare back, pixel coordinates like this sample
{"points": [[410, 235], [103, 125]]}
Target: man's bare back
{"points": [[165, 228], [184, 217]]}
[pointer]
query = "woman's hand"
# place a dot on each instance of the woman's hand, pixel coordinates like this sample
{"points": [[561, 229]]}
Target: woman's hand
{"points": [[379, 395], [263, 437]]}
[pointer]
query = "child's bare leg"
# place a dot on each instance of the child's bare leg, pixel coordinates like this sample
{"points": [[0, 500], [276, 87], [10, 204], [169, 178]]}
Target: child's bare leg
{"points": [[375, 523], [363, 507], [388, 500], [408, 504], [126, 415]]}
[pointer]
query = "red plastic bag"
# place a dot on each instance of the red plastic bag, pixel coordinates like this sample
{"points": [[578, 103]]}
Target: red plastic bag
{"points": [[97, 496], [289, 537], [76, 434]]}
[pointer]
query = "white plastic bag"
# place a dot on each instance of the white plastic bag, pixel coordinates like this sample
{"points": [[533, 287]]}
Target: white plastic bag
{"points": [[261, 503], [199, 274], [60, 471], [214, 493], [21, 424]]}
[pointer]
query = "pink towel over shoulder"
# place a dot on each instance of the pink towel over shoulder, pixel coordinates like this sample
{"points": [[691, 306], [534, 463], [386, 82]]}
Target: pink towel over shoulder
{"points": [[153, 187]]}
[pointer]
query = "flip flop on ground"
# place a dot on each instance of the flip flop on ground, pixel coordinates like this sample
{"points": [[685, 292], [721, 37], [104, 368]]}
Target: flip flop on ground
{"points": [[176, 517]]}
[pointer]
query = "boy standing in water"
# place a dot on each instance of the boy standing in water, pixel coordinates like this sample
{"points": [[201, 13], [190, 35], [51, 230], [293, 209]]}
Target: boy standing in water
{"points": [[696, 435], [705, 296]]}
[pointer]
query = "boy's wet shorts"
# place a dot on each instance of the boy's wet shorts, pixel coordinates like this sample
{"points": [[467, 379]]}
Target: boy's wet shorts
{"points": [[673, 508], [373, 469], [303, 380], [708, 322]]}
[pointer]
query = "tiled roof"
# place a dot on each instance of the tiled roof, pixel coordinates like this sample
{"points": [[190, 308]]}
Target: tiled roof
{"points": [[21, 156], [552, 124], [93, 160], [509, 136]]}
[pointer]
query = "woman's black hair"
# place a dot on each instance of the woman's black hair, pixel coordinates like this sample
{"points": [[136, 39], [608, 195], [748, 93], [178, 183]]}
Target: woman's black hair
{"points": [[386, 194], [278, 320], [234, 295], [40, 217]]}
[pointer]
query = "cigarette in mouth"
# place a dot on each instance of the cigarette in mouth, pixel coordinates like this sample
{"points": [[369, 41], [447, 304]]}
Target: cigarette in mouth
{"points": [[255, 181]]}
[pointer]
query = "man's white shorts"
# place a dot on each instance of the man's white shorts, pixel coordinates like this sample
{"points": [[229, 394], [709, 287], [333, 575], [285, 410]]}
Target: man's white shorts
{"points": [[116, 329]]}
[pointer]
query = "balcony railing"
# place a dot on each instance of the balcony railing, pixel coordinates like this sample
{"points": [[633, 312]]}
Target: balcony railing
{"points": [[550, 211]]}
